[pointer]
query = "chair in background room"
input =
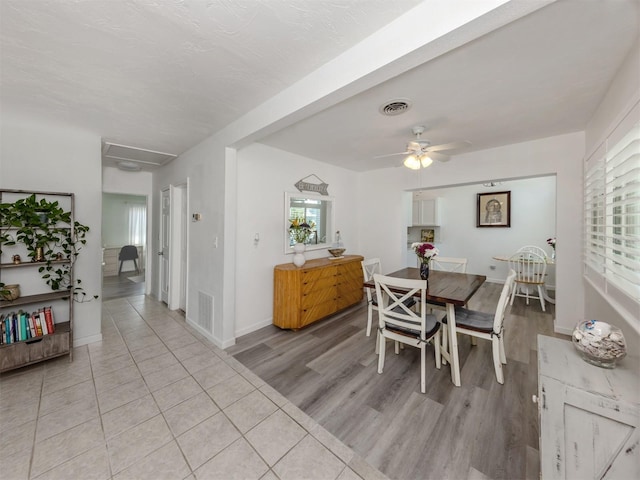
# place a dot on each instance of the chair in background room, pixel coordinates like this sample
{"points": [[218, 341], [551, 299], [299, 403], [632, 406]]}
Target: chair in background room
{"points": [[489, 326], [533, 249], [128, 252], [449, 264], [370, 267], [531, 269], [403, 325]]}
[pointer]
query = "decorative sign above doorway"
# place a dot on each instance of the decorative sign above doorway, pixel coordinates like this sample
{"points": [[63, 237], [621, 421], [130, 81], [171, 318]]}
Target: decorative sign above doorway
{"points": [[321, 188]]}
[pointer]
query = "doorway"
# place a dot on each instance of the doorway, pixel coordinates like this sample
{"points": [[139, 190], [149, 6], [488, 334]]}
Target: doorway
{"points": [[124, 224], [173, 252]]}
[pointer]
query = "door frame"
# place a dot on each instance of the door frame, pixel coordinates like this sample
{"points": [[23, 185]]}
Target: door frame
{"points": [[178, 245]]}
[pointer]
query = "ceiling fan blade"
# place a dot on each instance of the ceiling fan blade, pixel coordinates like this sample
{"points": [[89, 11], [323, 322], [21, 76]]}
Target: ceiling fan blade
{"points": [[438, 157], [447, 146], [392, 154]]}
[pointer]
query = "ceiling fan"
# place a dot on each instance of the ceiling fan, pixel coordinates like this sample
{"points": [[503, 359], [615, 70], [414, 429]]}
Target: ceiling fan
{"points": [[420, 153]]}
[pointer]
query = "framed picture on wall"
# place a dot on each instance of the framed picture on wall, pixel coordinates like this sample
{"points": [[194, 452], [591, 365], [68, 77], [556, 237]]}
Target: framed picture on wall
{"points": [[427, 235], [493, 210]]}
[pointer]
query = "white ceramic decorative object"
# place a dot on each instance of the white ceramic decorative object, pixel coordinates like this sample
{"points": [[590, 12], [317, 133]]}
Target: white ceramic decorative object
{"points": [[298, 255], [600, 343]]}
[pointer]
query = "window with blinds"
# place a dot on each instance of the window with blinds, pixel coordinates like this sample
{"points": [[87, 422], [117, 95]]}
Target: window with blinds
{"points": [[612, 213]]}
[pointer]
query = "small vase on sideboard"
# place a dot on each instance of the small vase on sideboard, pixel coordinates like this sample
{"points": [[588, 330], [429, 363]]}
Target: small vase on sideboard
{"points": [[298, 255]]}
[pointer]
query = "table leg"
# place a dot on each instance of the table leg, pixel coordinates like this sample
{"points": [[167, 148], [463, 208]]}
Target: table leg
{"points": [[453, 345], [546, 296]]}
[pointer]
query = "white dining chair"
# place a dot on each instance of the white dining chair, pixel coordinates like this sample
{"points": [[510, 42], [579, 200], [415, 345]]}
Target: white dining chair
{"points": [[531, 269], [446, 264], [404, 325], [488, 326], [370, 267], [449, 264], [533, 249]]}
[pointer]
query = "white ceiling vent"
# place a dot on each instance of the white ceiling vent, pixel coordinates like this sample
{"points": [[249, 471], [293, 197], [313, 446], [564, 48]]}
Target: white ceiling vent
{"points": [[395, 107], [133, 158]]}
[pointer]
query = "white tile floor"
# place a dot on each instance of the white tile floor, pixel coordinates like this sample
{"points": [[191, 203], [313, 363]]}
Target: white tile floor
{"points": [[156, 400]]}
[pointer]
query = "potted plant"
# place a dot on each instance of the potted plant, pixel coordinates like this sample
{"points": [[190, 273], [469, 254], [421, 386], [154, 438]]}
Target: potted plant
{"points": [[44, 228]]}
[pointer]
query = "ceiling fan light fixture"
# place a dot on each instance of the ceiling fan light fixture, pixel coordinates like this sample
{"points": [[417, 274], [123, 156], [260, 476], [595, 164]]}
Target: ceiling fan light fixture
{"points": [[412, 162], [425, 160]]}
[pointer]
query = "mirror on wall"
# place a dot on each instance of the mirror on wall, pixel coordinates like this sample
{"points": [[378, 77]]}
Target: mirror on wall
{"points": [[318, 209]]}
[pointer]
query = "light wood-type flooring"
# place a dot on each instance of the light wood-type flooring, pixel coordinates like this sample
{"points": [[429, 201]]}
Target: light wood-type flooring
{"points": [[479, 430], [120, 286]]}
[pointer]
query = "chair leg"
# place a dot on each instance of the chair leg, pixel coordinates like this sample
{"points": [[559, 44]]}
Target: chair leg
{"points": [[397, 347], [369, 319], [513, 293], [135, 264], [495, 347], [444, 345], [474, 341], [381, 354], [541, 297], [423, 368], [120, 269], [436, 345], [503, 355], [378, 343]]}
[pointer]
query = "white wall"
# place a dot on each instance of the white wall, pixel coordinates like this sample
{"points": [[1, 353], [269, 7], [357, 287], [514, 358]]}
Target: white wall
{"points": [[533, 220], [621, 96], [205, 168], [267, 173], [382, 192], [55, 158]]}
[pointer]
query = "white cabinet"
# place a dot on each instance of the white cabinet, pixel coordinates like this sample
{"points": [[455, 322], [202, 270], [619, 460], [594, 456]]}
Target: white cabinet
{"points": [[425, 212], [588, 415]]}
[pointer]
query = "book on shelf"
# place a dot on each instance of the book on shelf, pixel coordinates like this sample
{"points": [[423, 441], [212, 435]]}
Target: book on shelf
{"points": [[48, 316], [43, 322], [36, 319], [32, 326]]}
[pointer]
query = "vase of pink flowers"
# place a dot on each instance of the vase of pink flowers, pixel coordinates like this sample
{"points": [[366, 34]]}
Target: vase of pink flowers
{"points": [[425, 252]]}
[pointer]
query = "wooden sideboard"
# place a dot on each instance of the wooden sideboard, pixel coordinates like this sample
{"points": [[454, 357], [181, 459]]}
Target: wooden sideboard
{"points": [[589, 416], [321, 287]]}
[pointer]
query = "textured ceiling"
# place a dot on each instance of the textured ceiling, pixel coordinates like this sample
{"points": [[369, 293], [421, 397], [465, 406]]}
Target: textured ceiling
{"points": [[164, 75]]}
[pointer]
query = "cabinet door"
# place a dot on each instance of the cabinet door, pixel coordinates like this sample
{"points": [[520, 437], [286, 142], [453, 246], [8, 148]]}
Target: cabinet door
{"points": [[416, 216], [349, 284], [586, 435], [429, 212]]}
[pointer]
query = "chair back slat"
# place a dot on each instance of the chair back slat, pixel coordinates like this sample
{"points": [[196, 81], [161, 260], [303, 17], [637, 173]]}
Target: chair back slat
{"points": [[449, 264]]}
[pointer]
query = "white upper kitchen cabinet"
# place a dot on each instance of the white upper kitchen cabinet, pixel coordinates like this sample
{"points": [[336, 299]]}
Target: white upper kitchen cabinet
{"points": [[425, 212]]}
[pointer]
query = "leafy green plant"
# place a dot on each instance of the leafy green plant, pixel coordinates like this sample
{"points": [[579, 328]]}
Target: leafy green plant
{"points": [[44, 228]]}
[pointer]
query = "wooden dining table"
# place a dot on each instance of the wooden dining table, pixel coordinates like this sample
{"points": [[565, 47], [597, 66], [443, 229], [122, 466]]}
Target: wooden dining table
{"points": [[451, 289]]}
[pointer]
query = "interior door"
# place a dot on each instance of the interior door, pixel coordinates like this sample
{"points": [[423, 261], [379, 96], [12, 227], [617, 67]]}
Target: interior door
{"points": [[165, 239]]}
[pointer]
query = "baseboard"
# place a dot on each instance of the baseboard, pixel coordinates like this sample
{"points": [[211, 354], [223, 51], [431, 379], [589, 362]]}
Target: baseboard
{"points": [[254, 327]]}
